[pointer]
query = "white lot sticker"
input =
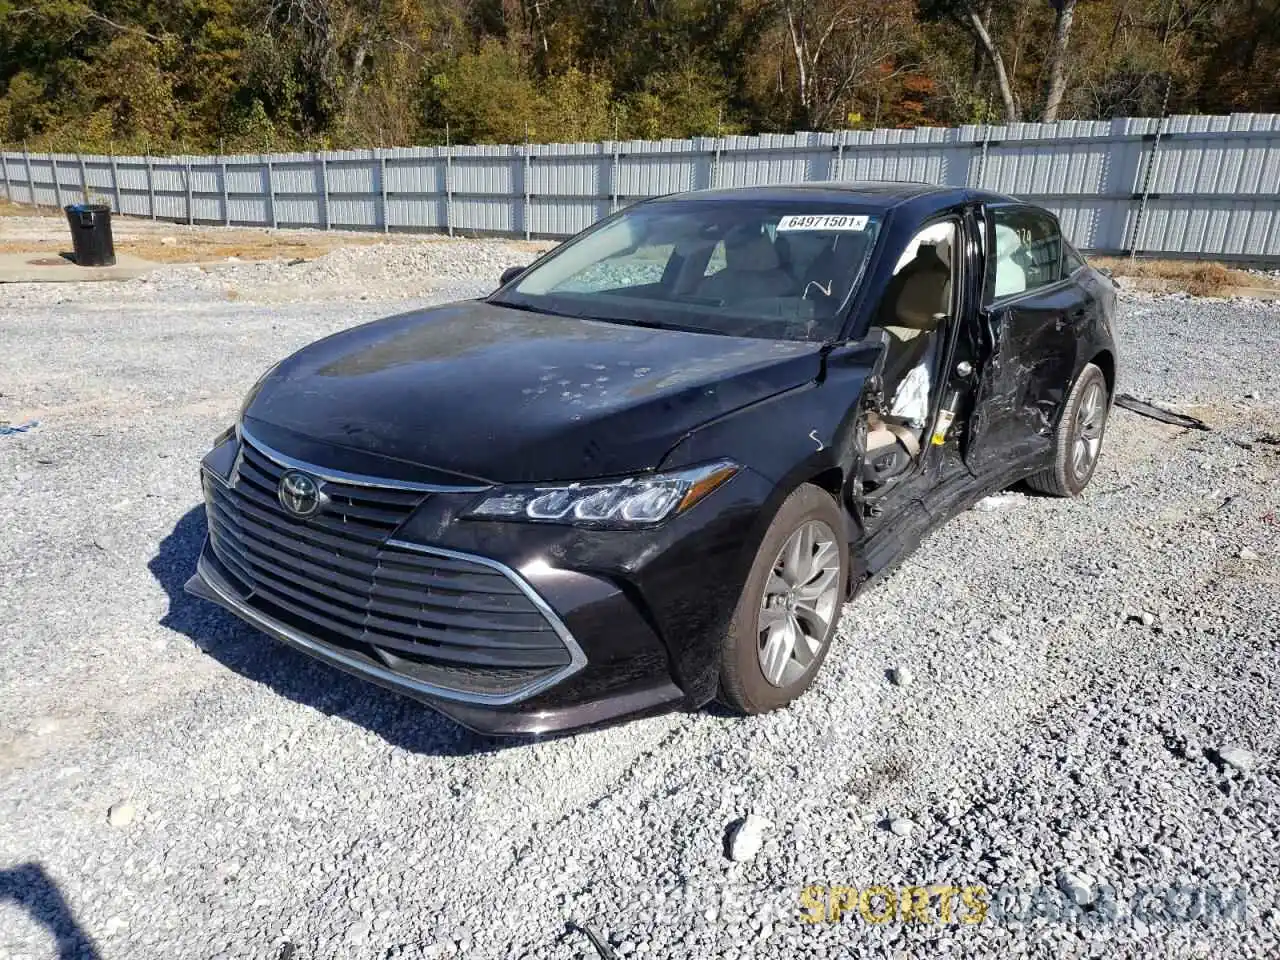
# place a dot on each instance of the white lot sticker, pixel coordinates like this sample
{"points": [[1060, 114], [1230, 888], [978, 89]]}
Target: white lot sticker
{"points": [[822, 221]]}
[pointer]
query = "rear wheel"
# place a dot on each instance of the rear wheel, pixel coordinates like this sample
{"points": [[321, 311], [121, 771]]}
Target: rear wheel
{"points": [[1078, 441], [789, 607]]}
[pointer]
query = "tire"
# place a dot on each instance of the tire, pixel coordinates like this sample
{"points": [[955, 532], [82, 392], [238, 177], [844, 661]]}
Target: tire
{"points": [[1077, 443], [792, 606]]}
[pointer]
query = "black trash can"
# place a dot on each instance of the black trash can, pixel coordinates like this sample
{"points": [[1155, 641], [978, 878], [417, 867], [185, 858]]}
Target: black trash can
{"points": [[91, 234]]}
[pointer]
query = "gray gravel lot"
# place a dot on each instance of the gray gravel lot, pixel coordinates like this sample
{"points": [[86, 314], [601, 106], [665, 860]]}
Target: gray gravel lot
{"points": [[1070, 677]]}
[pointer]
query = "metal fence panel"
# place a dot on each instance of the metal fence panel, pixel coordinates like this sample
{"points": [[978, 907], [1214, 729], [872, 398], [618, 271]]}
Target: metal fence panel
{"points": [[302, 177], [416, 176], [567, 175], [488, 176], [748, 161], [299, 211], [650, 168], [564, 218], [417, 213], [1186, 186], [246, 176], [479, 214], [67, 171], [98, 173], [355, 212], [352, 174]]}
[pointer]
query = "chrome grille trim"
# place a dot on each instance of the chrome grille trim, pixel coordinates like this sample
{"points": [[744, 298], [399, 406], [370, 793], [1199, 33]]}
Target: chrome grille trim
{"points": [[355, 479]]}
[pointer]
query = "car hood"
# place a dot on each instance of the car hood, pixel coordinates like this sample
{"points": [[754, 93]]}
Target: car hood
{"points": [[478, 391]]}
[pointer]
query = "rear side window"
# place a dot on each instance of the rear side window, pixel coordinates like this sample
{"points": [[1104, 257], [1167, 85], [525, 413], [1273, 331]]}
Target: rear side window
{"points": [[1071, 260], [1028, 252]]}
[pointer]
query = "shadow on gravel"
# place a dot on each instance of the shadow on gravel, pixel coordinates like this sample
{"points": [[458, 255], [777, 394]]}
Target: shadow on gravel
{"points": [[32, 889], [398, 720]]}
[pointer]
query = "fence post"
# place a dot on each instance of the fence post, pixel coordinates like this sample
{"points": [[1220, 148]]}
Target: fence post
{"points": [[115, 183], [839, 171], [4, 168], [382, 184], [151, 188], [57, 187], [1136, 241], [84, 178], [448, 188], [31, 177], [982, 157], [191, 213], [271, 191], [226, 194], [324, 185], [528, 198], [715, 166], [614, 193]]}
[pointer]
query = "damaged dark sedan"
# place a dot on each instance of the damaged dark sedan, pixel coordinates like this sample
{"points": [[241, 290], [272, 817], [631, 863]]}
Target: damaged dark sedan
{"points": [[652, 467]]}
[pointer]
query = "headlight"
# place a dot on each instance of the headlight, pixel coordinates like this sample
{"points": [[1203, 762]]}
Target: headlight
{"points": [[619, 504]]}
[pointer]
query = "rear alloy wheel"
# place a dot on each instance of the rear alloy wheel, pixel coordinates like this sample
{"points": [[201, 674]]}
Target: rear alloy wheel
{"points": [[790, 605], [1078, 440]]}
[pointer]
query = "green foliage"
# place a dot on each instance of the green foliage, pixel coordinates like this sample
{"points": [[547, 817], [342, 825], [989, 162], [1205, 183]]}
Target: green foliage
{"points": [[262, 75], [571, 107], [251, 131], [27, 111], [687, 102], [126, 79], [487, 96]]}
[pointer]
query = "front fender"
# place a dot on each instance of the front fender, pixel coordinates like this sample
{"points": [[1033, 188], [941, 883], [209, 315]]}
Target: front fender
{"points": [[816, 431]]}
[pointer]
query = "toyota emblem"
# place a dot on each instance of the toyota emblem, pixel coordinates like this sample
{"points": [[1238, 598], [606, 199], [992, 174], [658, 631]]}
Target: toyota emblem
{"points": [[299, 493]]}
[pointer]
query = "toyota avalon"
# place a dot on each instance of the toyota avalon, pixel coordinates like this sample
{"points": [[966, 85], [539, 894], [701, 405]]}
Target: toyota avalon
{"points": [[651, 468]]}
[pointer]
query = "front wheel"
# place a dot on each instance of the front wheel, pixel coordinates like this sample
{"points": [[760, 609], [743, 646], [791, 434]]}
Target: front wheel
{"points": [[1078, 440], [790, 605]]}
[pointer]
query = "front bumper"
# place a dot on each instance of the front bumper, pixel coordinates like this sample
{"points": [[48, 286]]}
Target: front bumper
{"points": [[632, 620], [491, 716]]}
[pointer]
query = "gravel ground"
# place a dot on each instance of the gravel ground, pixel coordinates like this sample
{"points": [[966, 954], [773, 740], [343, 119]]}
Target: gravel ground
{"points": [[1053, 701]]}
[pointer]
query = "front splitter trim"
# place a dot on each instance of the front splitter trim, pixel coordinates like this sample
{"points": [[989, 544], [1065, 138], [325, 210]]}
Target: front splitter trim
{"points": [[476, 712], [208, 584]]}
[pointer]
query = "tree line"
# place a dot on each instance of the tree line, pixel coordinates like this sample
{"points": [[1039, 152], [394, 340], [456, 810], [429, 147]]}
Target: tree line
{"points": [[257, 75]]}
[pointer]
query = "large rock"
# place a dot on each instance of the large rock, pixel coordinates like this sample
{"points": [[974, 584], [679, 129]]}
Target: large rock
{"points": [[746, 837]]}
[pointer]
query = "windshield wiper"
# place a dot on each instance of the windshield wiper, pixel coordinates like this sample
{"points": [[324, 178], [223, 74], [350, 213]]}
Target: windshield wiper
{"points": [[570, 314], [582, 315], [510, 305], [649, 324]]}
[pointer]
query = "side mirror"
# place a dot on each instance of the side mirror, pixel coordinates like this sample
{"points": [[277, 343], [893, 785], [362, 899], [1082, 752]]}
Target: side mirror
{"points": [[510, 274]]}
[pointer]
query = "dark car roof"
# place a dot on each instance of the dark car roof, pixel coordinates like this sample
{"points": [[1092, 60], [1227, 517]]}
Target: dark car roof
{"points": [[876, 194]]}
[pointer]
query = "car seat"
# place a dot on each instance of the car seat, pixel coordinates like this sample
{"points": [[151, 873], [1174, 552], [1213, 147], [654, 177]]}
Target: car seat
{"points": [[752, 271], [919, 298]]}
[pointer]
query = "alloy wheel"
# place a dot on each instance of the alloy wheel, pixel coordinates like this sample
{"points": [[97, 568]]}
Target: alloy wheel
{"points": [[1090, 419], [799, 601]]}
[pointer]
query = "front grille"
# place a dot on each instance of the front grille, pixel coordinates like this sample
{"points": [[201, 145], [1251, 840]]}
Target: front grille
{"points": [[438, 618], [367, 514]]}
